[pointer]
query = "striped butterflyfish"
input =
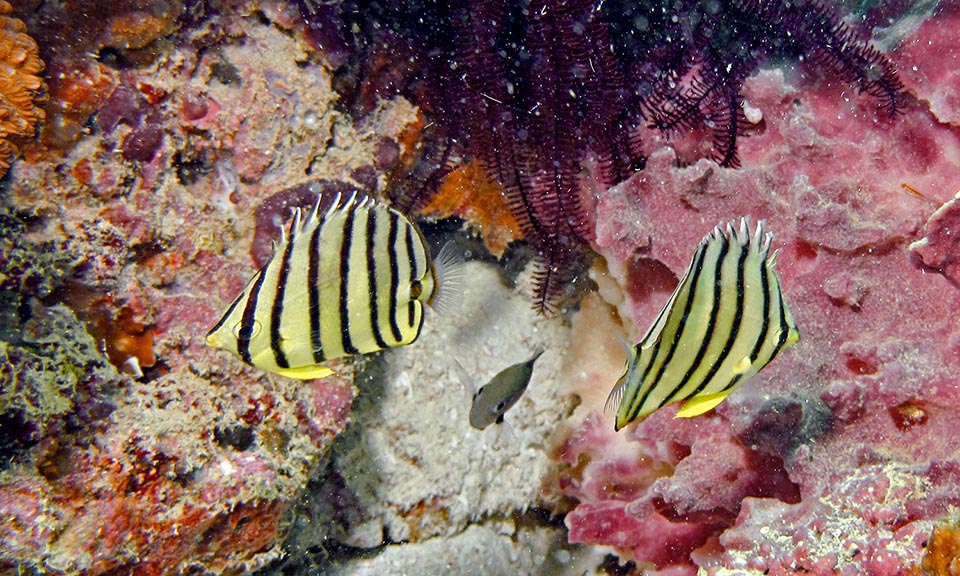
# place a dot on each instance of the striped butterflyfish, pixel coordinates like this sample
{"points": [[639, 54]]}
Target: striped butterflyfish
{"points": [[724, 322], [351, 279]]}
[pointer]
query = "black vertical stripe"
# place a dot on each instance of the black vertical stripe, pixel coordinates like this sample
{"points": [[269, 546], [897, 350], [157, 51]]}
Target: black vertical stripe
{"points": [[313, 293], [784, 326], [696, 267], [765, 325], [419, 327], [393, 234], [346, 342], [711, 328], [734, 328], [276, 313], [226, 314], [245, 334], [372, 253], [415, 274]]}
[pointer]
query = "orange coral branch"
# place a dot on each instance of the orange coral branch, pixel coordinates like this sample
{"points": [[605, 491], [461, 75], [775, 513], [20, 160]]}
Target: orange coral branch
{"points": [[20, 85], [468, 193]]}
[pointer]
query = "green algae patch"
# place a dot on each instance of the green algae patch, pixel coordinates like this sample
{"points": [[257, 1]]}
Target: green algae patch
{"points": [[48, 369]]}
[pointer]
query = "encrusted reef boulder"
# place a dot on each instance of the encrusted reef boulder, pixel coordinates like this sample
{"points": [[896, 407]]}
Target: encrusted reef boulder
{"points": [[838, 457]]}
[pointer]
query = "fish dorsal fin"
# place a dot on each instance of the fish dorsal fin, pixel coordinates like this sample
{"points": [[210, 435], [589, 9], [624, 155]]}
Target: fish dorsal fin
{"points": [[653, 333], [536, 354], [448, 271], [701, 404], [315, 217]]}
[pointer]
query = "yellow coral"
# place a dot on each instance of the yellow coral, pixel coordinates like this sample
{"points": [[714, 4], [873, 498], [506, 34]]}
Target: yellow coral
{"points": [[20, 84], [942, 557]]}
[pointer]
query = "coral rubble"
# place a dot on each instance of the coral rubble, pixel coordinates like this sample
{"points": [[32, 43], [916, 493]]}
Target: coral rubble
{"points": [[434, 473]]}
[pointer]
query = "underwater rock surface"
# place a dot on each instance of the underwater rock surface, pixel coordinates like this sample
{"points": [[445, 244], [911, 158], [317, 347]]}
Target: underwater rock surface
{"points": [[128, 444], [411, 469]]}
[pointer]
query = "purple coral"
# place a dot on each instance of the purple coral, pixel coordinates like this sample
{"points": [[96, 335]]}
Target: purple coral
{"points": [[534, 93], [709, 52], [130, 107]]}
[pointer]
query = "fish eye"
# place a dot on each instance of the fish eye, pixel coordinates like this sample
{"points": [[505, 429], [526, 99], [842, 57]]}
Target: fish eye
{"points": [[416, 289], [239, 332], [500, 405]]}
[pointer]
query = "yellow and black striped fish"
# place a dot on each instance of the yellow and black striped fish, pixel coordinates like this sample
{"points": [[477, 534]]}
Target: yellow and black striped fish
{"points": [[350, 280], [725, 321]]}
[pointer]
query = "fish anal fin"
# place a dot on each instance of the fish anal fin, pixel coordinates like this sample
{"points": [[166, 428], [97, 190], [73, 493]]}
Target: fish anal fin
{"points": [[701, 404], [793, 336], [310, 372]]}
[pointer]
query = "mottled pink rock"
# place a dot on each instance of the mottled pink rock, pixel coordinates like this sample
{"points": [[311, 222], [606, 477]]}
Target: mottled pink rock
{"points": [[839, 456], [659, 541], [275, 213], [935, 80], [940, 246]]}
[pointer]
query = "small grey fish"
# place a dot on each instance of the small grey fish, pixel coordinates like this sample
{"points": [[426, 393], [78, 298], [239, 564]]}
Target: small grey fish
{"points": [[493, 399]]}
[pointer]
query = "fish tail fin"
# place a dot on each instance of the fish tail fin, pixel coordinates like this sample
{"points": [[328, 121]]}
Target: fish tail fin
{"points": [[448, 270]]}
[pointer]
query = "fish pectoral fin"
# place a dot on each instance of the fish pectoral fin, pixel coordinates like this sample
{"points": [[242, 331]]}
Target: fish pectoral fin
{"points": [[310, 372], [743, 365], [701, 404], [448, 271]]}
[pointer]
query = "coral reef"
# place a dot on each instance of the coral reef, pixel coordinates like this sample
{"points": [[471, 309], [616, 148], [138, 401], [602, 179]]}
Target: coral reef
{"points": [[839, 458], [940, 246], [466, 192], [128, 444], [20, 85], [943, 554], [166, 162], [54, 378]]}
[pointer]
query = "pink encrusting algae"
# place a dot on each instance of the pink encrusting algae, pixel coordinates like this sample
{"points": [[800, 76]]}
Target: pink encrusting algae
{"points": [[840, 456]]}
